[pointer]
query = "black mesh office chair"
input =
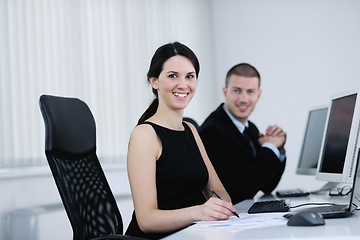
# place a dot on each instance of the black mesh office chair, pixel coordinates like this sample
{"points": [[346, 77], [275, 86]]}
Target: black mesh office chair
{"points": [[70, 148]]}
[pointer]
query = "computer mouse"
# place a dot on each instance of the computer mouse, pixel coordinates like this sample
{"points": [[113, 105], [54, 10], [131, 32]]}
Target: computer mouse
{"points": [[306, 218]]}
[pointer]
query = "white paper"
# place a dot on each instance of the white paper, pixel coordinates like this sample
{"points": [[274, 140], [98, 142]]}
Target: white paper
{"points": [[246, 221]]}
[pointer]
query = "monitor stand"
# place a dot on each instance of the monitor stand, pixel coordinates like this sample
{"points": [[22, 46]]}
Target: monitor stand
{"points": [[326, 187]]}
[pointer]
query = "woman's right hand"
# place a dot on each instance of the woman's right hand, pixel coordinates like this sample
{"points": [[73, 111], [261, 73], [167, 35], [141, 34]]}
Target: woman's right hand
{"points": [[216, 209]]}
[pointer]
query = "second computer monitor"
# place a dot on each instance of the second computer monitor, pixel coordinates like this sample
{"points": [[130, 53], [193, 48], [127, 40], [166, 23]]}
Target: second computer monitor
{"points": [[340, 142], [313, 135]]}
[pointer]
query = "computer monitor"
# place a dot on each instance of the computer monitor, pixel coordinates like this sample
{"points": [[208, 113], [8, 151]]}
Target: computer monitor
{"points": [[356, 186], [311, 145], [339, 147]]}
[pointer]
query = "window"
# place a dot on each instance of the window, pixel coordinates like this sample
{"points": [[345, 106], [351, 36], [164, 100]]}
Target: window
{"points": [[98, 51]]}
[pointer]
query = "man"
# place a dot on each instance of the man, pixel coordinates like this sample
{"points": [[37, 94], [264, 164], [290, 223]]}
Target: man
{"points": [[245, 163]]}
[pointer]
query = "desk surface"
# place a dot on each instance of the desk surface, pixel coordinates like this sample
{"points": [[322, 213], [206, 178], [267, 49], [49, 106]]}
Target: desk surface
{"points": [[336, 228]]}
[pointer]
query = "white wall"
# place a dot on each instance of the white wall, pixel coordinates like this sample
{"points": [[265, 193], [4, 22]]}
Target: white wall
{"points": [[305, 51]]}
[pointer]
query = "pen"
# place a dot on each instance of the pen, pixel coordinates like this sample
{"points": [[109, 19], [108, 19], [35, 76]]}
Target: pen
{"points": [[216, 195]]}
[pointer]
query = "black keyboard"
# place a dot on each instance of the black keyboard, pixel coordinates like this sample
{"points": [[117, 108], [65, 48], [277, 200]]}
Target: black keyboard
{"points": [[269, 206], [296, 192], [331, 208], [329, 211], [336, 210]]}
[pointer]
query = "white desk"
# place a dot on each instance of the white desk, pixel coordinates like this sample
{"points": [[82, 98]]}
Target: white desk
{"points": [[339, 228]]}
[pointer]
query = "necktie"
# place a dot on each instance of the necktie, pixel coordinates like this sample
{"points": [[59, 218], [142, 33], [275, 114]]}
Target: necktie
{"points": [[246, 133], [248, 138]]}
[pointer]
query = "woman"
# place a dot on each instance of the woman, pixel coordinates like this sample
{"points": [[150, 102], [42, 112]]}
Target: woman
{"points": [[169, 171]]}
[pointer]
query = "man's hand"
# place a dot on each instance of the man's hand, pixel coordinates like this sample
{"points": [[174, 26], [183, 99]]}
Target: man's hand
{"points": [[274, 130], [275, 135]]}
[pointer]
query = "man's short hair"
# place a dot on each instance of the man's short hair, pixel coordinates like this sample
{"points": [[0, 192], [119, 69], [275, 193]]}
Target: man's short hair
{"points": [[242, 70]]}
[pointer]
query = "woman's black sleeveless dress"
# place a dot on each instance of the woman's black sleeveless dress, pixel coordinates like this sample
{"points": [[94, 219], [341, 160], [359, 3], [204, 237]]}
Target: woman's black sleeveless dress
{"points": [[181, 175]]}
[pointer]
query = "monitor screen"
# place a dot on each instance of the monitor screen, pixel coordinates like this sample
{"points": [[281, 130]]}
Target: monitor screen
{"points": [[339, 145], [314, 131]]}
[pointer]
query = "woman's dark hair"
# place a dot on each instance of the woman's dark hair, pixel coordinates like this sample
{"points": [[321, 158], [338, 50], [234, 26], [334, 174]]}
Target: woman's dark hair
{"points": [[161, 55]]}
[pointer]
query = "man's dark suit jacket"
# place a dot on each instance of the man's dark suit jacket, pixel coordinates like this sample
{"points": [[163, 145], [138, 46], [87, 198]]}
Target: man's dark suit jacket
{"points": [[241, 173]]}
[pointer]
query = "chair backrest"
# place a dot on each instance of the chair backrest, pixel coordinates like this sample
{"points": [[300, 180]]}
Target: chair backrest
{"points": [[70, 148]]}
